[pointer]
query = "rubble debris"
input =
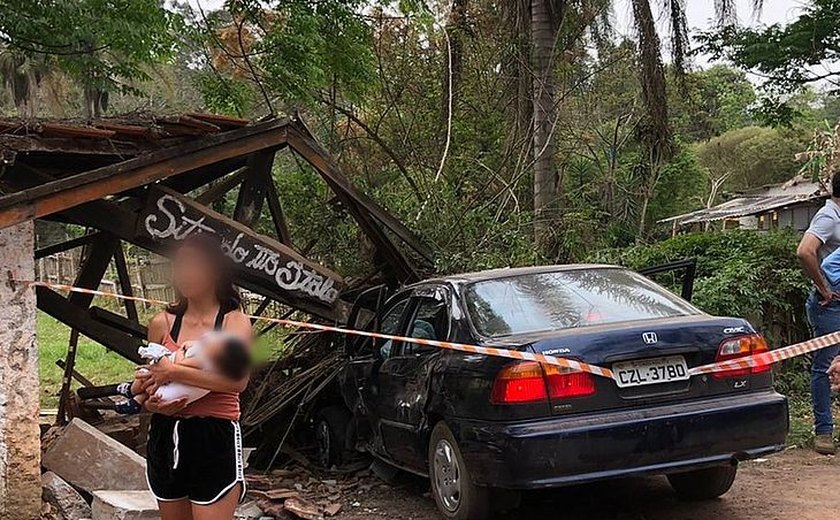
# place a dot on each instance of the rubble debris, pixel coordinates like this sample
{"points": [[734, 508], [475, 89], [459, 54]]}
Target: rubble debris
{"points": [[248, 511], [275, 494], [61, 496], [258, 482], [274, 509], [332, 509], [90, 460], [302, 508], [124, 505]]}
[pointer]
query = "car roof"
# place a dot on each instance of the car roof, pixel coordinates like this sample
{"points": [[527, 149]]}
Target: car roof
{"points": [[507, 272]]}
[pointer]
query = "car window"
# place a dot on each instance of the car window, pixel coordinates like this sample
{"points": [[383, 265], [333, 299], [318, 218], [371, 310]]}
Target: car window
{"points": [[567, 299], [391, 325], [430, 321]]}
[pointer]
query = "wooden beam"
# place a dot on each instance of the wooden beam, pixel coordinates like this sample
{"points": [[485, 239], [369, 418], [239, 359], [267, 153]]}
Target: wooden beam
{"points": [[275, 207], [249, 201], [93, 268], [118, 322], [78, 318], [199, 177], [69, 244], [301, 141], [64, 393], [125, 283], [221, 188], [84, 187]]}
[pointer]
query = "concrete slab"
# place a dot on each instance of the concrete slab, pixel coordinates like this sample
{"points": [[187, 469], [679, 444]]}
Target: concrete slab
{"points": [[63, 497], [92, 461], [124, 505]]}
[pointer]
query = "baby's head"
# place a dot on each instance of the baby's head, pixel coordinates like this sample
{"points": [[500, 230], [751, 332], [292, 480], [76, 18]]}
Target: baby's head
{"points": [[228, 353]]}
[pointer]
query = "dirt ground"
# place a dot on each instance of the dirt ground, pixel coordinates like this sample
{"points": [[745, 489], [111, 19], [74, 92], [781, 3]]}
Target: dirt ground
{"points": [[797, 484]]}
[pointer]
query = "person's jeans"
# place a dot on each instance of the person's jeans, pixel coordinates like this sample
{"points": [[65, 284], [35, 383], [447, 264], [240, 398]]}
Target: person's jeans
{"points": [[823, 319]]}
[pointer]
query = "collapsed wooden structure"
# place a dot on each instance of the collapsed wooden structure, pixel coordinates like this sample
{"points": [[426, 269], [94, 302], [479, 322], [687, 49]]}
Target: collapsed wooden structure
{"points": [[151, 182]]}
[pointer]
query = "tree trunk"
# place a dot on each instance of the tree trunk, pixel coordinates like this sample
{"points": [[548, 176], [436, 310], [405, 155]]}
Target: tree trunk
{"points": [[655, 131], [545, 16], [457, 29]]}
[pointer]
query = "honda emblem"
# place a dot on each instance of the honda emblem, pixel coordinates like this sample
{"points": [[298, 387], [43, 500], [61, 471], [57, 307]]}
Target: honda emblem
{"points": [[650, 337]]}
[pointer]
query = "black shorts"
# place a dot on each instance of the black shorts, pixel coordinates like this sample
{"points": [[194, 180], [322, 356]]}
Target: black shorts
{"points": [[197, 459]]}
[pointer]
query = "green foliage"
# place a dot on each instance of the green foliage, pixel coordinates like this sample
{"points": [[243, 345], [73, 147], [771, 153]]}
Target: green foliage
{"points": [[711, 102], [788, 56], [99, 43], [225, 95], [752, 156]]}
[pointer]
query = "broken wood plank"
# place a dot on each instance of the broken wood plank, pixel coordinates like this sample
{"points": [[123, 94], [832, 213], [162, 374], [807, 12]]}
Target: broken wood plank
{"points": [[249, 201], [260, 260], [76, 317]]}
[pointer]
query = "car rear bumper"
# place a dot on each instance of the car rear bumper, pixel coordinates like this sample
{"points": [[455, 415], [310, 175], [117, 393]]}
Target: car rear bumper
{"points": [[662, 439]]}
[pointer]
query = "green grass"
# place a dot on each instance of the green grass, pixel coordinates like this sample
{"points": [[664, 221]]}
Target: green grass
{"points": [[93, 360]]}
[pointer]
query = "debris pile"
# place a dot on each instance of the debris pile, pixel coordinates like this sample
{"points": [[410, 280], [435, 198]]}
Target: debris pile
{"points": [[298, 493], [284, 393]]}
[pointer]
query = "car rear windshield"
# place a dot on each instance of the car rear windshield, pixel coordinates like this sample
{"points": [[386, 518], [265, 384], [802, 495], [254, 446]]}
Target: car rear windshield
{"points": [[567, 299]]}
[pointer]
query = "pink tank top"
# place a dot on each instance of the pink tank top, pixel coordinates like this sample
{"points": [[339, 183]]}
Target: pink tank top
{"points": [[221, 405]]}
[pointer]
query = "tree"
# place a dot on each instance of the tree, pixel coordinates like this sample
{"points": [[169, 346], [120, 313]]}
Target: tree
{"points": [[102, 45], [711, 102], [786, 56], [750, 157], [546, 19]]}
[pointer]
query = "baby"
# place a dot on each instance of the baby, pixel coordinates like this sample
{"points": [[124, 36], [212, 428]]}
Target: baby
{"points": [[218, 352]]}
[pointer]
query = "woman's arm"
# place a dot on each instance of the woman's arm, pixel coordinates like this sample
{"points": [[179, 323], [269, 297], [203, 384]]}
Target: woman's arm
{"points": [[157, 330]]}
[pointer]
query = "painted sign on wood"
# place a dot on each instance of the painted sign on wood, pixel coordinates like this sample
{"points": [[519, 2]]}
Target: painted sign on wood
{"points": [[260, 260]]}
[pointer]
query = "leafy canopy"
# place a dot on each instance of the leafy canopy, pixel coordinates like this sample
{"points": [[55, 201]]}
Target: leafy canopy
{"points": [[98, 42]]}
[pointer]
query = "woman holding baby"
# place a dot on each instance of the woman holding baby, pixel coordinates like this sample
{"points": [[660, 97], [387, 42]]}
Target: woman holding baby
{"points": [[194, 452]]}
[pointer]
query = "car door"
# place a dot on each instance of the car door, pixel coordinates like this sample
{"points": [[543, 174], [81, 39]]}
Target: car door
{"points": [[688, 269], [404, 377], [366, 358]]}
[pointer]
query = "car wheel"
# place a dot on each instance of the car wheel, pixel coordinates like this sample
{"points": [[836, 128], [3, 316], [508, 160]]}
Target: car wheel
{"points": [[452, 488], [703, 484], [331, 435]]}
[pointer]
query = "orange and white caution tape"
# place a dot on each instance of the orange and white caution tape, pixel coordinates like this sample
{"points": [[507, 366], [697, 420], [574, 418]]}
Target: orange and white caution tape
{"points": [[770, 357], [753, 361], [461, 347]]}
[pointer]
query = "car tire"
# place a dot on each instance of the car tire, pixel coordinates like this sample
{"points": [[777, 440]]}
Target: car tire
{"points": [[456, 496], [703, 484], [331, 425]]}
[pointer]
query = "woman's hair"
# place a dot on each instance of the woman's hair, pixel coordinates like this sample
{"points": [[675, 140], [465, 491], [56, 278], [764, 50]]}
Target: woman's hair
{"points": [[211, 248]]}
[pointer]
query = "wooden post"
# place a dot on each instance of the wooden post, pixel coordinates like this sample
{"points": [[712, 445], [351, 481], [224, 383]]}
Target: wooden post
{"points": [[69, 368]]}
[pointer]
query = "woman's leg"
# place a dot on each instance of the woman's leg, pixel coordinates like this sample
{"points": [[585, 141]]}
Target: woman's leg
{"points": [[179, 510], [223, 509]]}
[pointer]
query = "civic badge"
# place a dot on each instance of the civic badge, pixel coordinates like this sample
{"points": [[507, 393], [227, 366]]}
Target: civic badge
{"points": [[650, 337]]}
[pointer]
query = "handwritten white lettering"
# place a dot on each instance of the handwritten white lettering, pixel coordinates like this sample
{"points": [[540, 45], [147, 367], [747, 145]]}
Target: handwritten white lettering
{"points": [[171, 221]]}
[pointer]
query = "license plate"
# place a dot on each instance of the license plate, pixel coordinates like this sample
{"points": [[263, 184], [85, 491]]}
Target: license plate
{"points": [[650, 371]]}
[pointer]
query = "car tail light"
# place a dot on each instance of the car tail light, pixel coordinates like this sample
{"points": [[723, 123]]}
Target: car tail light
{"points": [[563, 383], [739, 347], [527, 382], [519, 383]]}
